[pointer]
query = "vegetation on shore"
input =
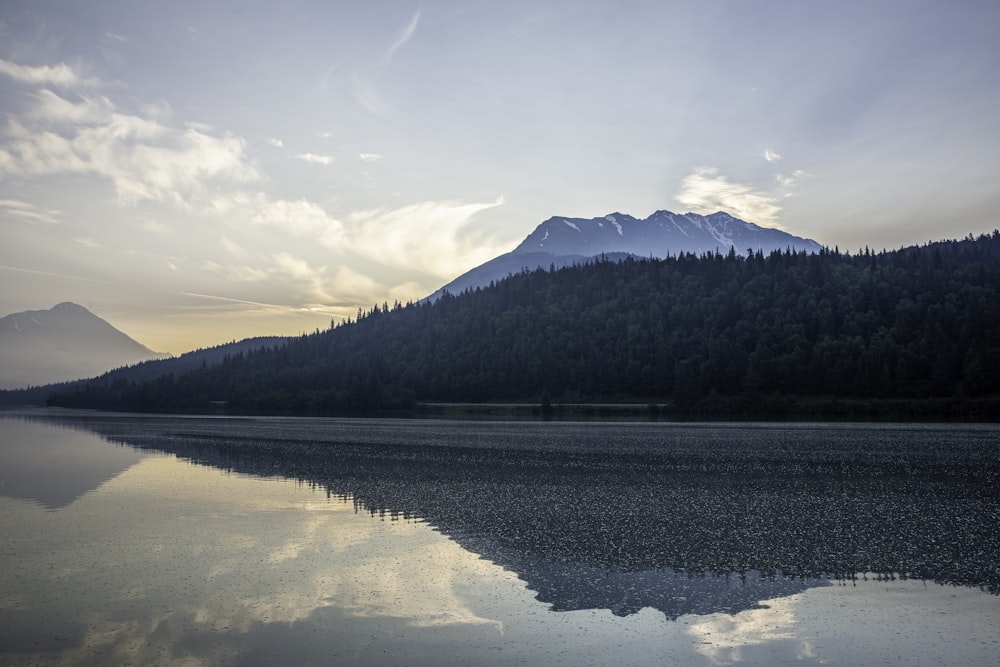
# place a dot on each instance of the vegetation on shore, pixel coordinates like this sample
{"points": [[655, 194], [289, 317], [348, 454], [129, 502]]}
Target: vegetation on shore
{"points": [[911, 333]]}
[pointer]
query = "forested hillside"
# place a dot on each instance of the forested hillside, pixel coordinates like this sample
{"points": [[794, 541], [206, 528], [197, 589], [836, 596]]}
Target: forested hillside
{"points": [[910, 332]]}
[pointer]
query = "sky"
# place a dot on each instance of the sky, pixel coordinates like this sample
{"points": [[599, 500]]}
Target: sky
{"points": [[200, 172]]}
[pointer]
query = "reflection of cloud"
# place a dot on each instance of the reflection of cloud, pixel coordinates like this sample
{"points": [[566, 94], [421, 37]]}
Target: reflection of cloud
{"points": [[240, 559], [707, 191], [722, 637]]}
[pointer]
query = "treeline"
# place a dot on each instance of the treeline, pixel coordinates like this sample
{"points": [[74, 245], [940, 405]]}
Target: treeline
{"points": [[143, 371], [912, 332]]}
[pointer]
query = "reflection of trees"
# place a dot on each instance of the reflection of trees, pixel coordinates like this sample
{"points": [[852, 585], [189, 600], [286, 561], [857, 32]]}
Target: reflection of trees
{"points": [[786, 502]]}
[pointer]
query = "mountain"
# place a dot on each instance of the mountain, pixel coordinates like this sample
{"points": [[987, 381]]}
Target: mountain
{"points": [[562, 241], [146, 371], [904, 334], [65, 342]]}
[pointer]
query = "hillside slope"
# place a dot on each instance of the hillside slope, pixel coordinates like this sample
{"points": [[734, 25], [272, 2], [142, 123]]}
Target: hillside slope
{"points": [[65, 342], [725, 333]]}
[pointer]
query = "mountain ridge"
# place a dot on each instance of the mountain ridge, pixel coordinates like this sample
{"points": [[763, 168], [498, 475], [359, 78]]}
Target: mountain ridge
{"points": [[562, 241], [65, 342]]}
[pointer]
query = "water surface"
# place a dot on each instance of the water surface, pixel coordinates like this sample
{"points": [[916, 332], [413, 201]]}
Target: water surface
{"points": [[372, 542]]}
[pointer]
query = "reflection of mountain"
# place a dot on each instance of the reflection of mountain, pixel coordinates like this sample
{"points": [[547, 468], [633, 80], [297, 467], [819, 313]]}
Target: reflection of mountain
{"points": [[570, 586], [617, 516], [54, 466]]}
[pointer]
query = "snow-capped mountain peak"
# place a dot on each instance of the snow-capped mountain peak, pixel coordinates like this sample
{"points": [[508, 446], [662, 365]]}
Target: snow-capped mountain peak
{"points": [[662, 233], [561, 240]]}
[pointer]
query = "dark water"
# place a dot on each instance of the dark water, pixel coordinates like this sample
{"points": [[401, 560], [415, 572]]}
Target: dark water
{"points": [[243, 541]]}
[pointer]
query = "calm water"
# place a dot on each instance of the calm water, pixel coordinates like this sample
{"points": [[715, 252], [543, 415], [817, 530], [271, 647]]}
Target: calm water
{"points": [[159, 540]]}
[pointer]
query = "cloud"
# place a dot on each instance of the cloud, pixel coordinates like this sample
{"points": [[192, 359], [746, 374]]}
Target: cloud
{"points": [[299, 217], [315, 159], [312, 281], [60, 112], [155, 227], [370, 157], [428, 236], [791, 182], [143, 158], [61, 75], [771, 156], [29, 212], [233, 248], [276, 142], [51, 274], [109, 50], [402, 37], [354, 287], [226, 299], [370, 99], [707, 191]]}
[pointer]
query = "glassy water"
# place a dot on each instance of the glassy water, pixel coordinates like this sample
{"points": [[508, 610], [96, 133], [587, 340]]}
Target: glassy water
{"points": [[169, 540]]}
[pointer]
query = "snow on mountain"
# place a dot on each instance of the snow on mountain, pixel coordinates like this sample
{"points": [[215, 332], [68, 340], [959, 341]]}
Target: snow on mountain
{"points": [[561, 241], [661, 234], [66, 342]]}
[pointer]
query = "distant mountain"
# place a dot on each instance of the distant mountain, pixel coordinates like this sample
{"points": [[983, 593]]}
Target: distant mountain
{"points": [[146, 371], [64, 343], [561, 241]]}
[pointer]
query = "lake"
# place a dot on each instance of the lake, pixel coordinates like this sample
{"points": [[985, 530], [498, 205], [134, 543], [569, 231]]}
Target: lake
{"points": [[131, 539]]}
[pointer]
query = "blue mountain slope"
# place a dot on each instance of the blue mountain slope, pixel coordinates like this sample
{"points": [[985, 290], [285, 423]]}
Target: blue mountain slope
{"points": [[561, 241]]}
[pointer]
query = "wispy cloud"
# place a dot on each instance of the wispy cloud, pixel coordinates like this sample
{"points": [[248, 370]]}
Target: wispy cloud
{"points": [[278, 143], [772, 156], [369, 97], [89, 243], [233, 248], [315, 159], [431, 237], [790, 182], [109, 47], [155, 227], [370, 157], [245, 302], [61, 75], [28, 212], [706, 191], [299, 216], [403, 36], [51, 274], [312, 280]]}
